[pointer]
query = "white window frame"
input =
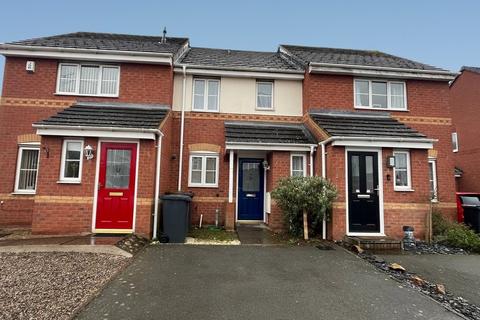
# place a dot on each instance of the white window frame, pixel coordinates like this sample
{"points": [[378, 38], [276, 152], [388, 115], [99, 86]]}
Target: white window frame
{"points": [[205, 94], [454, 142], [21, 148], [433, 161], [304, 163], [408, 187], [272, 83], [204, 156], [77, 84], [64, 179], [389, 95]]}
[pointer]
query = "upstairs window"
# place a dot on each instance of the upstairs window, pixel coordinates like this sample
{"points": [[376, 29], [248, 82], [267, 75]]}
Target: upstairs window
{"points": [[205, 94], [265, 95], [88, 80], [27, 169], [377, 94]]}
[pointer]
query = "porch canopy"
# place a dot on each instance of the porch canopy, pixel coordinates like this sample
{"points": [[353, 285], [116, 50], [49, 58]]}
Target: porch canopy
{"points": [[111, 120], [268, 136], [368, 129]]}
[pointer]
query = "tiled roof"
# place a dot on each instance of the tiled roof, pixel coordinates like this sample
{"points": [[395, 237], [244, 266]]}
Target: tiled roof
{"points": [[255, 132], [372, 58], [107, 41], [362, 124], [121, 115], [239, 59], [472, 69]]}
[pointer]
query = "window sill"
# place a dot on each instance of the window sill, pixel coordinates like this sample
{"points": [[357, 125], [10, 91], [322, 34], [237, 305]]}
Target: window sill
{"points": [[211, 111], [68, 182], [23, 193], [86, 95], [404, 190], [203, 186], [382, 109], [264, 109]]}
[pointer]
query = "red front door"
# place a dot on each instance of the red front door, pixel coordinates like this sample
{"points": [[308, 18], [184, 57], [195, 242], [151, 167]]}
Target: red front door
{"points": [[116, 186]]}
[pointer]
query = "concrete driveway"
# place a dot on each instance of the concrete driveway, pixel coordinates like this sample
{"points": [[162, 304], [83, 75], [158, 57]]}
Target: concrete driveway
{"points": [[253, 282], [459, 273]]}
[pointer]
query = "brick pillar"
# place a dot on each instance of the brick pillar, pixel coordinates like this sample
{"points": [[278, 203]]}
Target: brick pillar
{"points": [[230, 216]]}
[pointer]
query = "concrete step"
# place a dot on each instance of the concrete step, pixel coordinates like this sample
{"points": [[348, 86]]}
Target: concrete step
{"points": [[374, 243]]}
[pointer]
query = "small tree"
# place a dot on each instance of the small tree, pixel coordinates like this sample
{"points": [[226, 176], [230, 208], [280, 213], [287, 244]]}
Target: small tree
{"points": [[299, 197]]}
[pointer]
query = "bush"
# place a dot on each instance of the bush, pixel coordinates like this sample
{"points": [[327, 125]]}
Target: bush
{"points": [[461, 236], [295, 194], [440, 224]]}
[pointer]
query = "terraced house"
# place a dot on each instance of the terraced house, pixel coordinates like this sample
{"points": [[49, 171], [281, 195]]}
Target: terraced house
{"points": [[97, 126]]}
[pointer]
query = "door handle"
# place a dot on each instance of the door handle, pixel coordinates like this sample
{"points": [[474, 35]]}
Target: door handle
{"points": [[363, 196], [250, 195]]}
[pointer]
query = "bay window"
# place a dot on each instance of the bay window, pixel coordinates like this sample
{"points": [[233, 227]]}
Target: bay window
{"points": [[88, 80], [379, 94]]}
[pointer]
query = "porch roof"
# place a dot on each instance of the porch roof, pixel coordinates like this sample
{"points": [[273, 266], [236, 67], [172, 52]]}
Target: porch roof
{"points": [[90, 118], [261, 133], [379, 128]]}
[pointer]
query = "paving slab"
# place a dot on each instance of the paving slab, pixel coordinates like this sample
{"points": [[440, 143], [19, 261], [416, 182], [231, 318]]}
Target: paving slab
{"points": [[257, 282], [459, 273]]}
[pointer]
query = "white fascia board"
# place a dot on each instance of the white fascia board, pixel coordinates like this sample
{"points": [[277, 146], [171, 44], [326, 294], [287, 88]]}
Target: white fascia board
{"points": [[86, 54], [382, 73], [96, 132], [242, 74], [269, 146], [383, 144]]}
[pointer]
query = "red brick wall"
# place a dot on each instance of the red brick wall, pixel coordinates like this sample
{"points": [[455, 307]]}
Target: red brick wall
{"points": [[465, 105], [139, 83]]}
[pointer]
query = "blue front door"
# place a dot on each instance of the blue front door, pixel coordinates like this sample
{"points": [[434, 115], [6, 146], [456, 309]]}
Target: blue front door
{"points": [[250, 189]]}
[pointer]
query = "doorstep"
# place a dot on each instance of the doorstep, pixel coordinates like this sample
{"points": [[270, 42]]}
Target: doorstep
{"points": [[374, 243]]}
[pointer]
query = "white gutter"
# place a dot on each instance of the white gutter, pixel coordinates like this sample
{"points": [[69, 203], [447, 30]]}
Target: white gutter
{"points": [[157, 186], [182, 128], [244, 73], [324, 174], [85, 54], [87, 128], [353, 66]]}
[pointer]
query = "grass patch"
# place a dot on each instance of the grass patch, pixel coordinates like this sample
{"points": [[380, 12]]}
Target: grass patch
{"points": [[213, 233], [286, 238]]}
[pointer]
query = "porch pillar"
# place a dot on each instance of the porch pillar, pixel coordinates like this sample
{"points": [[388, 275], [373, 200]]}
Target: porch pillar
{"points": [[230, 213], [230, 178]]}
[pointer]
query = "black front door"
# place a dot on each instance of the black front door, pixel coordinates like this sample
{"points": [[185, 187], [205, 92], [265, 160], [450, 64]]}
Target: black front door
{"points": [[363, 192]]}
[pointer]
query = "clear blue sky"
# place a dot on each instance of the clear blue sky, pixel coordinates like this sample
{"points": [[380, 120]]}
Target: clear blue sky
{"points": [[440, 33]]}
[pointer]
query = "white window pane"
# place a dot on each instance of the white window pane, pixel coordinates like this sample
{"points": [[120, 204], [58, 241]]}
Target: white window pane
{"points": [[362, 100], [196, 176], [397, 102], [213, 88], [199, 94], [361, 87], [74, 150], [211, 163], [212, 103], [27, 178], [210, 177], [400, 160], [109, 80], [401, 178], [68, 78], [264, 102], [264, 88], [379, 101], [196, 163], [297, 163], [379, 88], [397, 95], [89, 80]]}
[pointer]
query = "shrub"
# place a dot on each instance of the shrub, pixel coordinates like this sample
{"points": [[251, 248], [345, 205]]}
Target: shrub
{"points": [[461, 236], [296, 194], [440, 224]]}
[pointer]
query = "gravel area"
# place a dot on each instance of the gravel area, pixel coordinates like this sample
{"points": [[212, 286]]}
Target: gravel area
{"points": [[52, 285], [433, 248]]}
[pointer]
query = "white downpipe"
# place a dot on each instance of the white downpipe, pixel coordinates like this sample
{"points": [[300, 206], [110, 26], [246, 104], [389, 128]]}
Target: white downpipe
{"points": [[157, 186], [182, 128], [312, 148], [324, 173], [230, 178]]}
